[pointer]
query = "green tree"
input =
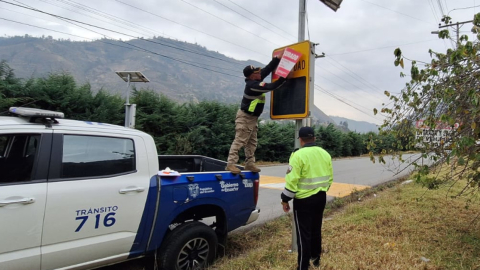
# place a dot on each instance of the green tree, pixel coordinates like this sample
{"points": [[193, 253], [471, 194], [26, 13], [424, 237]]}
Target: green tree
{"points": [[275, 141], [444, 95], [330, 139], [157, 115], [9, 86]]}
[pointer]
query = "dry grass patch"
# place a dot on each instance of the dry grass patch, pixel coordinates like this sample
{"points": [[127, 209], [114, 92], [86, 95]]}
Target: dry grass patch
{"points": [[403, 227]]}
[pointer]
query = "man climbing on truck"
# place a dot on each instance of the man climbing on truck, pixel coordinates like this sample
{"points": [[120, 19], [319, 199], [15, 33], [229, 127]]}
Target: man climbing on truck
{"points": [[246, 120]]}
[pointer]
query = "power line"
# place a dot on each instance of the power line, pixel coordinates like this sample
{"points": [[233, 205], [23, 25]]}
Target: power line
{"points": [[125, 22], [117, 32], [432, 7], [140, 48], [379, 48], [344, 89], [358, 76], [99, 13], [261, 18], [439, 2], [396, 12], [243, 29], [320, 89], [463, 8], [247, 18], [191, 28]]}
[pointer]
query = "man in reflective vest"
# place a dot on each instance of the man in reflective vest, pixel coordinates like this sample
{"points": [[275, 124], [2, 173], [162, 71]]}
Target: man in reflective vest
{"points": [[309, 176], [246, 121]]}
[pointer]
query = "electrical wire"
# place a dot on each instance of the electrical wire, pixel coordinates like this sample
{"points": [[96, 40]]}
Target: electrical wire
{"points": [[359, 78], [247, 17], [439, 2], [114, 31], [117, 19], [463, 8], [432, 7], [137, 48], [320, 89], [369, 94], [78, 8], [396, 12], [295, 38], [345, 90], [243, 29], [191, 28], [380, 48]]}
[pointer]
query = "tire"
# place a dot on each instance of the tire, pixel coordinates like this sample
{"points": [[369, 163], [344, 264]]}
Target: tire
{"points": [[190, 246]]}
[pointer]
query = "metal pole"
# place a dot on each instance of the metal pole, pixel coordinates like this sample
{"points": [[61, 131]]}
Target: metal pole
{"points": [[298, 123], [301, 37], [127, 103], [458, 35]]}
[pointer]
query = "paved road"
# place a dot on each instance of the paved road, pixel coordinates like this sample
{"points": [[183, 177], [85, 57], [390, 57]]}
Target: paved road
{"points": [[349, 174]]}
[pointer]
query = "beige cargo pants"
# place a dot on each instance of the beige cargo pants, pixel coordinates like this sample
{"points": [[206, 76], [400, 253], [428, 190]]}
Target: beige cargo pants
{"points": [[246, 128]]}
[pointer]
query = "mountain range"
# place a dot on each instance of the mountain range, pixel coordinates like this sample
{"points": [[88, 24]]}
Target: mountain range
{"points": [[182, 71]]}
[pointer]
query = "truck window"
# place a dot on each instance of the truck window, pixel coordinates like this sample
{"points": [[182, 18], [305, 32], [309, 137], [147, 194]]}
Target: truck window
{"points": [[17, 156], [90, 156]]}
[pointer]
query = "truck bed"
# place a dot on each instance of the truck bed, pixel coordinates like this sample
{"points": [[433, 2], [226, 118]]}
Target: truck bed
{"points": [[191, 163]]}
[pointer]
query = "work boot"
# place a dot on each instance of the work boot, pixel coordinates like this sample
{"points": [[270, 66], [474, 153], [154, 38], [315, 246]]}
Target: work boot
{"points": [[315, 261], [251, 167], [231, 167]]}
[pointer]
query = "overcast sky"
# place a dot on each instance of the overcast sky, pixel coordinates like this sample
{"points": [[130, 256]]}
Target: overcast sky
{"points": [[358, 39]]}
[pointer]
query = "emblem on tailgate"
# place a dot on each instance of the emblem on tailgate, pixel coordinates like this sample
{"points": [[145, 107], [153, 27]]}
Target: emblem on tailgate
{"points": [[247, 183], [194, 190]]}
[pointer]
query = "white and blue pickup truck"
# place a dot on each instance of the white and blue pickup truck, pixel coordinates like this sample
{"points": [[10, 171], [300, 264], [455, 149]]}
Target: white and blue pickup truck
{"points": [[82, 195]]}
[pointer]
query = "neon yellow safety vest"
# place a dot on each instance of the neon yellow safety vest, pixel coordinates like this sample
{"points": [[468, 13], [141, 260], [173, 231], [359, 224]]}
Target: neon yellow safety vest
{"points": [[310, 171]]}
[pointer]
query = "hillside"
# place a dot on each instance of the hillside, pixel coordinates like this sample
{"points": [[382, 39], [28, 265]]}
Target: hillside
{"points": [[208, 76], [96, 62], [357, 126]]}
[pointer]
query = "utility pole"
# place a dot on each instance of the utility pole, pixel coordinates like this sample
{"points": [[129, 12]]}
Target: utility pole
{"points": [[301, 37], [334, 5], [457, 24]]}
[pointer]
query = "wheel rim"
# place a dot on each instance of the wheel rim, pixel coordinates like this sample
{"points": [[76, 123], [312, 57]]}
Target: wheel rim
{"points": [[193, 255]]}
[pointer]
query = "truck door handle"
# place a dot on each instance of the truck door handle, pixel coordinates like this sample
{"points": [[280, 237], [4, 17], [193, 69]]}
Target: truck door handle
{"points": [[131, 189], [22, 201]]}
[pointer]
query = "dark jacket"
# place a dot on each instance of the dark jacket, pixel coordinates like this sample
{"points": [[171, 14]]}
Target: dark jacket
{"points": [[253, 99]]}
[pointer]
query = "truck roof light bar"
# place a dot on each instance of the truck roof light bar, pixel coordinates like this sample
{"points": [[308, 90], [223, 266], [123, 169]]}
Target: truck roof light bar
{"points": [[31, 112], [47, 117]]}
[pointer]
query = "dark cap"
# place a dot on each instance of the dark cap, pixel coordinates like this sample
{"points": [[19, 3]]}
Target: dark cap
{"points": [[248, 70], [306, 132]]}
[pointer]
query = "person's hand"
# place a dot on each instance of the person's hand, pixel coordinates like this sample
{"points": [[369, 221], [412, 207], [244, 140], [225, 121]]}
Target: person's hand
{"points": [[280, 54], [290, 75], [286, 207]]}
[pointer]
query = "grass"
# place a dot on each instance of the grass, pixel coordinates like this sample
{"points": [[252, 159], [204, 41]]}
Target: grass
{"points": [[394, 226]]}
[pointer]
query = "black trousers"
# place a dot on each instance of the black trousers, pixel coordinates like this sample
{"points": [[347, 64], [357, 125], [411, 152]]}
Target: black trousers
{"points": [[308, 214]]}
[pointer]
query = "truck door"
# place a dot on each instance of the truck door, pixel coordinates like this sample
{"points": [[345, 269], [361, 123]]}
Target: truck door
{"points": [[24, 161], [97, 189]]}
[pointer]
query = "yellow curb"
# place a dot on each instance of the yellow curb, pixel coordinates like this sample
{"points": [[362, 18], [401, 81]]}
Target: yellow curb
{"points": [[342, 190], [264, 179], [336, 190]]}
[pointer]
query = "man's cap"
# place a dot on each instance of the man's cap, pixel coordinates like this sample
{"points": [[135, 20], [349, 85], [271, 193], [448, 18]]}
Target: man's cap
{"points": [[248, 70], [306, 132]]}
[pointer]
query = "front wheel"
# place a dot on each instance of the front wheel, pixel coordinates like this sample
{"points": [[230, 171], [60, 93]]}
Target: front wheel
{"points": [[190, 246]]}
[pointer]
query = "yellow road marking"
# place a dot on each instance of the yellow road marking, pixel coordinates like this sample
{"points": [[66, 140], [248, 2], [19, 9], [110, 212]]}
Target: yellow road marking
{"points": [[342, 189], [265, 179], [336, 190]]}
